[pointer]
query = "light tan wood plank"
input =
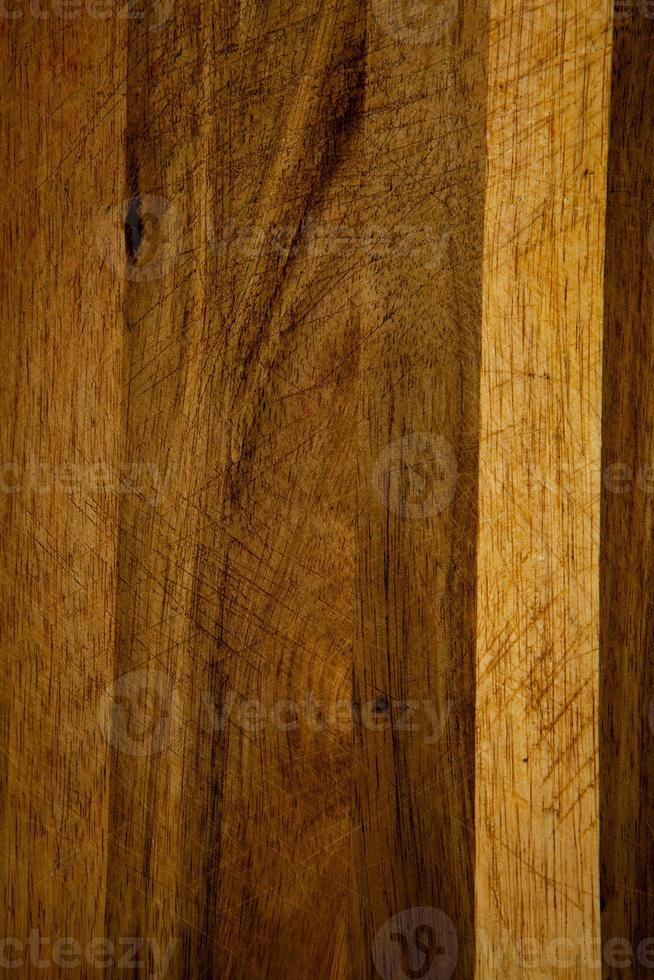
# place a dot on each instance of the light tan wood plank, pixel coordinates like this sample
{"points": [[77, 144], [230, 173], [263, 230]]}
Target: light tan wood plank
{"points": [[537, 661]]}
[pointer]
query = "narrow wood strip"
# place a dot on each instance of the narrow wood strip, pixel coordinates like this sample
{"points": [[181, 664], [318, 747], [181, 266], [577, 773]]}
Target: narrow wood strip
{"points": [[413, 827], [153, 696], [627, 558], [63, 115], [537, 668]]}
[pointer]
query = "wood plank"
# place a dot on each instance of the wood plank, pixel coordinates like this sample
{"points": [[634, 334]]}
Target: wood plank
{"points": [[413, 839], [63, 116], [537, 668], [627, 651]]}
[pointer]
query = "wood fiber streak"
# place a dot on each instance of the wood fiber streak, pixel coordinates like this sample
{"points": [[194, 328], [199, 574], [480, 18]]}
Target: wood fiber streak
{"points": [[537, 668], [62, 108], [627, 567]]}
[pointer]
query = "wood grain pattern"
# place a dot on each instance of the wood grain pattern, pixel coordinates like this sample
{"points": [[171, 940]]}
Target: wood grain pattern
{"points": [[314, 662]]}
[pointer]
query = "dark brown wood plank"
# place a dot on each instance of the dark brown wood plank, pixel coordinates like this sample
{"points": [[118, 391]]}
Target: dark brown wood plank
{"points": [[627, 554]]}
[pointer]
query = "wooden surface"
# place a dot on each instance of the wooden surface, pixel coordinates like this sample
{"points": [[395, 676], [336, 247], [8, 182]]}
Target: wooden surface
{"points": [[327, 478]]}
